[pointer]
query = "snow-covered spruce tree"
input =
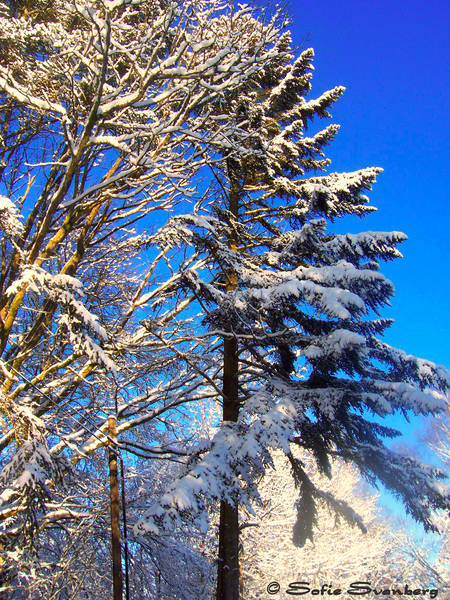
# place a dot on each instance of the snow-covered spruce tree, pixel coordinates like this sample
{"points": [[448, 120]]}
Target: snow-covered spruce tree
{"points": [[104, 113], [296, 307]]}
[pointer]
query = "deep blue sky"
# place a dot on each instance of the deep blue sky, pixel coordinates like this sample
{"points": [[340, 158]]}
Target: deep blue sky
{"points": [[393, 59]]}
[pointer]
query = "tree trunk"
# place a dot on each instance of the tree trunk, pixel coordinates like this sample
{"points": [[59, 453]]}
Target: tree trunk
{"points": [[228, 558], [228, 563], [115, 515]]}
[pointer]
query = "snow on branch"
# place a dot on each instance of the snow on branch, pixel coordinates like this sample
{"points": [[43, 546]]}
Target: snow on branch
{"points": [[226, 468], [63, 289], [9, 218]]}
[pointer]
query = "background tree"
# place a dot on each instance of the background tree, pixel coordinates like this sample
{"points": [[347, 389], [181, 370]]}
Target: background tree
{"points": [[431, 553], [339, 554]]}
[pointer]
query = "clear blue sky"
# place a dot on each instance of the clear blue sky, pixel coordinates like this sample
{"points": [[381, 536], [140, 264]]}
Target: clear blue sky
{"points": [[393, 58]]}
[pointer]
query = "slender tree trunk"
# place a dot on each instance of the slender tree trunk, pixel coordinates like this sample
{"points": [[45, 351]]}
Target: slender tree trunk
{"points": [[228, 559], [115, 522]]}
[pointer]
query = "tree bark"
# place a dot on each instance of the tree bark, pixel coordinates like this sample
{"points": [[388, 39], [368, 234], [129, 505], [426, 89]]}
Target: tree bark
{"points": [[228, 566], [228, 557], [115, 515], [228, 563]]}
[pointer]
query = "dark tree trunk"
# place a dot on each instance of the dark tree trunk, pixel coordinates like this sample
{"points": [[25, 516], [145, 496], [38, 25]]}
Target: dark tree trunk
{"points": [[228, 558], [228, 563], [228, 566]]}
